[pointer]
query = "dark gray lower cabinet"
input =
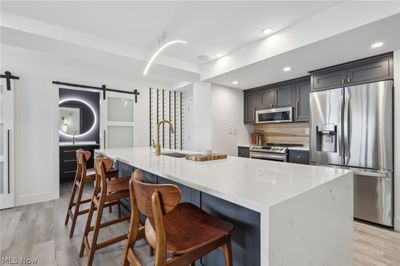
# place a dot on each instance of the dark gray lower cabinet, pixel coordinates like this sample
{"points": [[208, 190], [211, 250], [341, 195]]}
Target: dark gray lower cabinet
{"points": [[187, 194], [246, 242], [68, 160], [297, 156], [243, 152]]}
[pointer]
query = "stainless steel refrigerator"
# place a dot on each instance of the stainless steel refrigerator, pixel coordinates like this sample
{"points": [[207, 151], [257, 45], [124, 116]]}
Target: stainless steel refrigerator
{"points": [[352, 127]]}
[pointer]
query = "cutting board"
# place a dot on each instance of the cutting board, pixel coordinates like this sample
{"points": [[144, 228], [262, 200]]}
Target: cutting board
{"points": [[202, 158]]}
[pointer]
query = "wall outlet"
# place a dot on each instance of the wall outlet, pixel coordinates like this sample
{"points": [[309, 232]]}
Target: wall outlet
{"points": [[230, 131], [234, 131]]}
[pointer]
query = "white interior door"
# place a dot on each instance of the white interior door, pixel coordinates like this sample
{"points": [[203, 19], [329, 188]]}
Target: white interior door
{"points": [[117, 120], [7, 196]]}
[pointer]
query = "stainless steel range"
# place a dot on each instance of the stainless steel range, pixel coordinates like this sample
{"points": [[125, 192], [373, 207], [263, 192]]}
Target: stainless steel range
{"points": [[271, 151]]}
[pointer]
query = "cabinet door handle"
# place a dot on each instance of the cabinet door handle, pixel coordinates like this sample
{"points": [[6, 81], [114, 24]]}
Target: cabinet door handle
{"points": [[254, 113], [68, 151], [343, 81], [297, 108], [8, 161], [104, 139], [348, 80]]}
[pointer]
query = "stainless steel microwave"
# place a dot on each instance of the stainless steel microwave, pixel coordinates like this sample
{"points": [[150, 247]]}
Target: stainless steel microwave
{"points": [[274, 115]]}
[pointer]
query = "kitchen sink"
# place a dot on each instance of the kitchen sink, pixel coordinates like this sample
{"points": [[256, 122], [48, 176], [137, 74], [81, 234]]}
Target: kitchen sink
{"points": [[174, 154]]}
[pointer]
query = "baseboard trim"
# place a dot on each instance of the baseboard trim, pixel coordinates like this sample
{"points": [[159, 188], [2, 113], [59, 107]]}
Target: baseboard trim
{"points": [[36, 198], [397, 224]]}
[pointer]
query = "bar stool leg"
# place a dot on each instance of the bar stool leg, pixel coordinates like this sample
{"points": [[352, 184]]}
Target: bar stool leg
{"points": [[96, 230], [119, 209], [227, 251], [87, 227], [110, 207], [76, 210], [71, 202]]}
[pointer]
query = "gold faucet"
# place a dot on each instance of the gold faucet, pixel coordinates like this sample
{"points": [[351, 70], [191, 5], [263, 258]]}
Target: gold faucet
{"points": [[158, 147]]}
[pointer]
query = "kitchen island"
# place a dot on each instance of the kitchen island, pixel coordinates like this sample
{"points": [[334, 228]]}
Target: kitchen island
{"points": [[283, 213]]}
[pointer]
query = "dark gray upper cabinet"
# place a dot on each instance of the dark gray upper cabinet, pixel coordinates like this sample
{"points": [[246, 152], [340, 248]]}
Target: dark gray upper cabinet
{"points": [[267, 98], [302, 102], [371, 69], [328, 80], [250, 104], [284, 95], [374, 70], [276, 96]]}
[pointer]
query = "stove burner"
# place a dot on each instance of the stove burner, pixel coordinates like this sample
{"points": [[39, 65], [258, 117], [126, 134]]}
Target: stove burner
{"points": [[273, 147]]}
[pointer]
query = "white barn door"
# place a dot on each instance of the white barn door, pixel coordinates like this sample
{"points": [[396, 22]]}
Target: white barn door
{"points": [[117, 120], [7, 188]]}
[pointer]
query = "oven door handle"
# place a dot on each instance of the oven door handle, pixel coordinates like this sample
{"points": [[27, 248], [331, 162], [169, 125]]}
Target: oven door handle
{"points": [[259, 155]]}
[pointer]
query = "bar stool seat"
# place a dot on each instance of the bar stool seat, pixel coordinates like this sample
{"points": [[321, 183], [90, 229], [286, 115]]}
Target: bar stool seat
{"points": [[188, 227], [118, 185]]}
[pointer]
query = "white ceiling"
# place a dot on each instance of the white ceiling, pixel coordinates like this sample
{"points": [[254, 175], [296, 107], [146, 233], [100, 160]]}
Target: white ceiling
{"points": [[209, 27], [348, 46]]}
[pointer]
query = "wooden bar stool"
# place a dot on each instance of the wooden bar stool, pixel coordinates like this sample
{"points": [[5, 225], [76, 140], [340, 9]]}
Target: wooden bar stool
{"points": [[82, 177], [180, 233], [105, 192]]}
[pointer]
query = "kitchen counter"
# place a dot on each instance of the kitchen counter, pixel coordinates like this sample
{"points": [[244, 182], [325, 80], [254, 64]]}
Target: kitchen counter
{"points": [[299, 148], [78, 143], [305, 211], [244, 145]]}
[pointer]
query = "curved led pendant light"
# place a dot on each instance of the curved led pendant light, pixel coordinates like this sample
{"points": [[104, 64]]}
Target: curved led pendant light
{"points": [[159, 51]]}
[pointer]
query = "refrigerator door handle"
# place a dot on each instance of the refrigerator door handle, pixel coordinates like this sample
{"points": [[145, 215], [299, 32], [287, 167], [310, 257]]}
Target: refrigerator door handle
{"points": [[372, 174], [339, 132], [346, 126]]}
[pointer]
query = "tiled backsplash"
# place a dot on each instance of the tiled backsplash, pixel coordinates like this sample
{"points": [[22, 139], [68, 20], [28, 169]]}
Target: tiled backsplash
{"points": [[296, 133]]}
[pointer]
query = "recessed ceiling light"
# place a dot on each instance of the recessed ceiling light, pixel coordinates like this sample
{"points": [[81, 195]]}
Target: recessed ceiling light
{"points": [[235, 82], [286, 69], [266, 31], [218, 54], [377, 45]]}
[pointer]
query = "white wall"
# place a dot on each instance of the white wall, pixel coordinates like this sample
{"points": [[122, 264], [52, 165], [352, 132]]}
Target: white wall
{"points": [[36, 114], [397, 139], [228, 129], [216, 121], [201, 116]]}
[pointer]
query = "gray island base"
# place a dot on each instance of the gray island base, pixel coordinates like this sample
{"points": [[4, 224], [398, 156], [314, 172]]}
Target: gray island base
{"points": [[284, 214]]}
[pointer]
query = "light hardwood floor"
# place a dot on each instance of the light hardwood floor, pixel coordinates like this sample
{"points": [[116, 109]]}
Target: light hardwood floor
{"points": [[37, 231]]}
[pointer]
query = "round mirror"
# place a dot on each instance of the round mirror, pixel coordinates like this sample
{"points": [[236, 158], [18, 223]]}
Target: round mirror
{"points": [[77, 118]]}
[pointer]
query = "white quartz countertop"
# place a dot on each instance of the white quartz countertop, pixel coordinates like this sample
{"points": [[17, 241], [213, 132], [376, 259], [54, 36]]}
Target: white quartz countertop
{"points": [[299, 148], [78, 143], [244, 145], [255, 184]]}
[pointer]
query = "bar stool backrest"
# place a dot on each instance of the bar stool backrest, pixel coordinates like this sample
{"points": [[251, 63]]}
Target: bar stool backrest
{"points": [[102, 165], [154, 201], [146, 194], [82, 157]]}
